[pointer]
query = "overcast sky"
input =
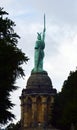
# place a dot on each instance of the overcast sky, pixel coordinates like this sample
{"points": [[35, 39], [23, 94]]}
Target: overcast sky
{"points": [[60, 41]]}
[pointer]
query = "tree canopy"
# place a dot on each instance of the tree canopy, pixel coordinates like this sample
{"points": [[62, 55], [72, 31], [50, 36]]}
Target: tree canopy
{"points": [[13, 126], [11, 59], [65, 106]]}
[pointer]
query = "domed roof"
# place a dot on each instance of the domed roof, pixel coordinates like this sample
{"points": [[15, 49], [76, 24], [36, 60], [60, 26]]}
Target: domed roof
{"points": [[39, 80]]}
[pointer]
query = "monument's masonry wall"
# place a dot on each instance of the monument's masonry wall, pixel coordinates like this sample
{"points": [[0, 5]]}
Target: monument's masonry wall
{"points": [[36, 102]]}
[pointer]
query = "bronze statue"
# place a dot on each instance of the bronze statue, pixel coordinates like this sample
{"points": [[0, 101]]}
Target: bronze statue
{"points": [[39, 51]]}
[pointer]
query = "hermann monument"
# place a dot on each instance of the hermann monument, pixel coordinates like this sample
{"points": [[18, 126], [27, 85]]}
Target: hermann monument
{"points": [[38, 96]]}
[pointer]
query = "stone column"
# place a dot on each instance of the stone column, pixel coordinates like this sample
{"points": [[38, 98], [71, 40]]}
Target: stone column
{"points": [[34, 112], [44, 109], [22, 113]]}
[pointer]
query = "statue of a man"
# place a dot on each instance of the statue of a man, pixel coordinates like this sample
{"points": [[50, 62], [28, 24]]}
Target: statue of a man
{"points": [[39, 51]]}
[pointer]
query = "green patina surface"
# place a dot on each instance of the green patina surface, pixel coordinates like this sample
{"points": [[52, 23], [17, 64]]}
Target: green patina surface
{"points": [[39, 51]]}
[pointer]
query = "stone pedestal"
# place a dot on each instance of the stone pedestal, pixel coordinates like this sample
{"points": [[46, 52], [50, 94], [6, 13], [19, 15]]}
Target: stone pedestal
{"points": [[36, 100]]}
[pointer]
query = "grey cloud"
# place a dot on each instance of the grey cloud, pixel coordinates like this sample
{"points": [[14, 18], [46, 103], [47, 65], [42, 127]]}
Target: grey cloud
{"points": [[61, 11]]}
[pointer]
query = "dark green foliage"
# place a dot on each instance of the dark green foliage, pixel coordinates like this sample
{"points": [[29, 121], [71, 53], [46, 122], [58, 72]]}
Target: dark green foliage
{"points": [[65, 106], [13, 126], [11, 59]]}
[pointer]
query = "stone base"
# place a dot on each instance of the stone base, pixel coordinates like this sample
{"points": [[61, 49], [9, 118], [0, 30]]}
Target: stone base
{"points": [[40, 128], [36, 101]]}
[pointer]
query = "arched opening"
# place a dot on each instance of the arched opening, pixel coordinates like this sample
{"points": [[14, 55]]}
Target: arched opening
{"points": [[29, 111], [49, 109], [48, 103], [39, 110]]}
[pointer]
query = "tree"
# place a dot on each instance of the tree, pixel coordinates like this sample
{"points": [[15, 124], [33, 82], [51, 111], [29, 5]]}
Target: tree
{"points": [[65, 106], [13, 126], [11, 59]]}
